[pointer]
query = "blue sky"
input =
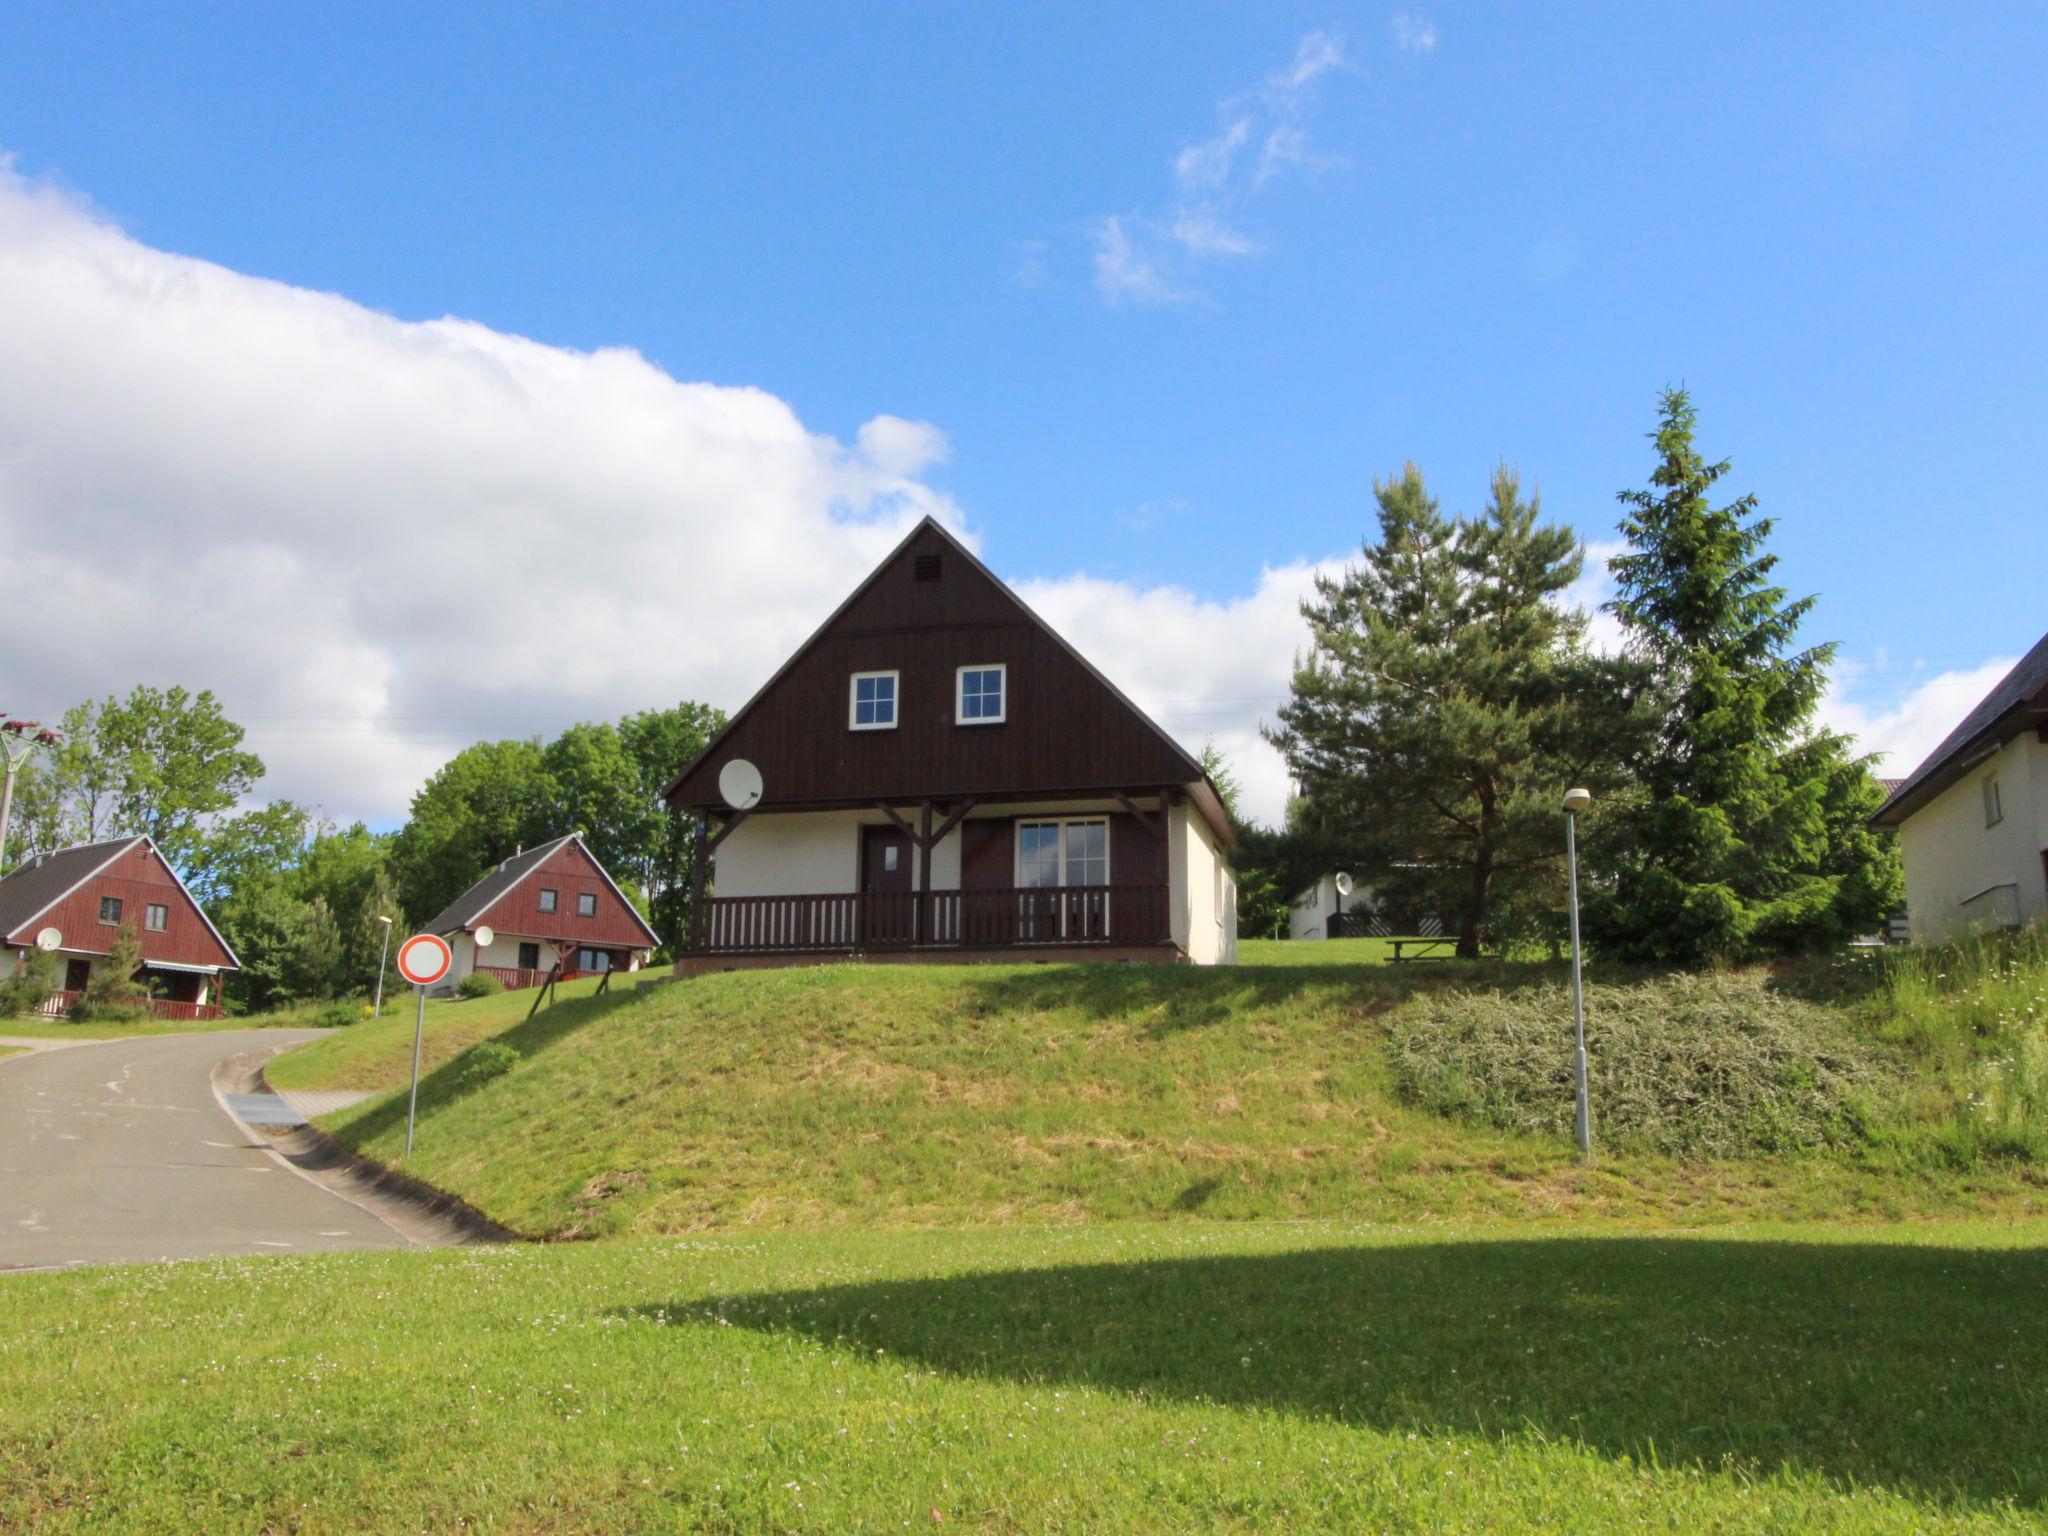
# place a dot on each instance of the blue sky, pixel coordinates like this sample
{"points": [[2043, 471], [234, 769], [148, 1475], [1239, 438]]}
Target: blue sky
{"points": [[1163, 348]]}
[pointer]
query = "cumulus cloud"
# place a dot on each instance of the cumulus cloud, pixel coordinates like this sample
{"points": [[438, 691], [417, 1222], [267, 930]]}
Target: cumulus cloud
{"points": [[1905, 723], [1153, 255], [380, 540]]}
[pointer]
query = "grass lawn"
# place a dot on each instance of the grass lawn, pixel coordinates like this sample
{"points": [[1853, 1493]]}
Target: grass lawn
{"points": [[1191, 1377], [995, 1095]]}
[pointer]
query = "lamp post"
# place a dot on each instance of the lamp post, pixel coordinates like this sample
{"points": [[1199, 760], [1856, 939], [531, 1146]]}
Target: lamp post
{"points": [[1575, 801], [383, 959]]}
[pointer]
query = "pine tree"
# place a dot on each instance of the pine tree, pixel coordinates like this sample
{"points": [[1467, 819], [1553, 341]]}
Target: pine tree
{"points": [[1448, 703], [113, 992], [1747, 835]]}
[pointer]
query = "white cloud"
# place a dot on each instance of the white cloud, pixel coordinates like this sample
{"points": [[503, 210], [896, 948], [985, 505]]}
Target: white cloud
{"points": [[1153, 255], [1124, 270], [1205, 165], [1413, 34], [1909, 721], [1203, 234], [380, 540]]}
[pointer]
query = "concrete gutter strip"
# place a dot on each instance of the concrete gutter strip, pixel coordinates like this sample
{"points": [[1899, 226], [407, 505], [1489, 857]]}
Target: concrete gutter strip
{"points": [[422, 1214]]}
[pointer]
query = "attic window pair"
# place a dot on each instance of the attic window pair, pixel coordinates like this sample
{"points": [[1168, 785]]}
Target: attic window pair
{"points": [[980, 697]]}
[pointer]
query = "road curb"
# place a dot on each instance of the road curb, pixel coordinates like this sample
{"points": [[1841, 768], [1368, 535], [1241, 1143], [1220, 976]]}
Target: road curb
{"points": [[422, 1214]]}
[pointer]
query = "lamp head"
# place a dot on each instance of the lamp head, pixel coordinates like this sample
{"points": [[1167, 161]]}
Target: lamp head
{"points": [[385, 921], [1577, 799]]}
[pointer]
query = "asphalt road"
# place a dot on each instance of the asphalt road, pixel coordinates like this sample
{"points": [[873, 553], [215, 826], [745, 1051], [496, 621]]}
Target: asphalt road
{"points": [[118, 1151]]}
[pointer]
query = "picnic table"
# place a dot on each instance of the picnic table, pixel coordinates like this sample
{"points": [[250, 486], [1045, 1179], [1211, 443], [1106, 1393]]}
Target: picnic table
{"points": [[1422, 947]]}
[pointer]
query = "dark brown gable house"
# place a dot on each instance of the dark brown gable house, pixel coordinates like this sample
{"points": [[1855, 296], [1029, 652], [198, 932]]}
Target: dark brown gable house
{"points": [[547, 910], [77, 900], [937, 775]]}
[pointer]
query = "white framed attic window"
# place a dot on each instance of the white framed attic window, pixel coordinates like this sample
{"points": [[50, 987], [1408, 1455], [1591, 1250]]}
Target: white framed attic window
{"points": [[981, 694], [871, 701], [1994, 804]]}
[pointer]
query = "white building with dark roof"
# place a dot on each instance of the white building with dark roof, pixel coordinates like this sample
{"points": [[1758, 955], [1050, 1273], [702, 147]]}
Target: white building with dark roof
{"points": [[1973, 819]]}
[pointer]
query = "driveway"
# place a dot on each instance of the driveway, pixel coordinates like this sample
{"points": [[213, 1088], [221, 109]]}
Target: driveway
{"points": [[118, 1151]]}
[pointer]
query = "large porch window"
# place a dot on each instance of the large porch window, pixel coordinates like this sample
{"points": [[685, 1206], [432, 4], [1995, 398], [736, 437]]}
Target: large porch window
{"points": [[1065, 852], [1054, 857]]}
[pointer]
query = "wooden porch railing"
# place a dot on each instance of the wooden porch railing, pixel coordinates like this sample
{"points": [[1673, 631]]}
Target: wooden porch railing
{"points": [[517, 978], [998, 919], [58, 1004]]}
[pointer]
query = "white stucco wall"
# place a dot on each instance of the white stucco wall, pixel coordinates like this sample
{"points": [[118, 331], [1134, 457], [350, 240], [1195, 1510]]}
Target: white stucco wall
{"points": [[1962, 874], [1210, 893], [817, 853], [503, 951], [1307, 918]]}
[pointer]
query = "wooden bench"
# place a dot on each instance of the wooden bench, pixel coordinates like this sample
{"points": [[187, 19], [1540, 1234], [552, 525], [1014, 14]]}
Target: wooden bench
{"points": [[1422, 948]]}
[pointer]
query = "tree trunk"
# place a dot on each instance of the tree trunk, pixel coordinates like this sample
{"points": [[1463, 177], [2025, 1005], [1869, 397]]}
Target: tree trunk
{"points": [[1475, 907]]}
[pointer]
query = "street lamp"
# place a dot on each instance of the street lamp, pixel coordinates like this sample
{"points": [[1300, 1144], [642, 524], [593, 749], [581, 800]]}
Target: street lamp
{"points": [[383, 956], [1575, 801]]}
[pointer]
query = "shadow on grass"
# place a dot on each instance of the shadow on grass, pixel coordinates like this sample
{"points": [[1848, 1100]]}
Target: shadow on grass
{"points": [[1923, 1370]]}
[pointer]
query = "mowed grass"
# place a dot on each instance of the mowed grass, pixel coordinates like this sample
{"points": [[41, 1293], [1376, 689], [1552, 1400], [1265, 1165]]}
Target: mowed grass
{"points": [[991, 1095], [1198, 1377]]}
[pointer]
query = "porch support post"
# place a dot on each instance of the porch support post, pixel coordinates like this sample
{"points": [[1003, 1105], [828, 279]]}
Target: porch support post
{"points": [[700, 855], [924, 871]]}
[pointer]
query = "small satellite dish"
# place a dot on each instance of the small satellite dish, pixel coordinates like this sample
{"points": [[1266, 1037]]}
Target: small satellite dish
{"points": [[484, 936], [740, 782], [1343, 883], [49, 940]]}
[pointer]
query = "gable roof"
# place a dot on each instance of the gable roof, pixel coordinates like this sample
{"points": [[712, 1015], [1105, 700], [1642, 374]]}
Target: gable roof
{"points": [[1185, 769], [469, 909], [44, 881], [2017, 704]]}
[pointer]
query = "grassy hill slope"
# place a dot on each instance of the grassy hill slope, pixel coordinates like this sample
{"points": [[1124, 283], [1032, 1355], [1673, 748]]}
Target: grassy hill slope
{"points": [[899, 1095]]}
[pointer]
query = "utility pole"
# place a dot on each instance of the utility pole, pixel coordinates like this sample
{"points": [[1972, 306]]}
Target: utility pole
{"points": [[18, 739]]}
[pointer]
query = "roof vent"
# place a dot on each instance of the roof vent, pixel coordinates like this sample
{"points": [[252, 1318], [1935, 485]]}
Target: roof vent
{"points": [[925, 568]]}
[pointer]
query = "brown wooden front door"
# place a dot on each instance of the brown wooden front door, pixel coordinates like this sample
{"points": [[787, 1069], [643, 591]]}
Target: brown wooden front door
{"points": [[888, 916]]}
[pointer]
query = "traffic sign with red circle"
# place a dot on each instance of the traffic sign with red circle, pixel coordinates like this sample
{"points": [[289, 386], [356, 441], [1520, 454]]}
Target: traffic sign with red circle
{"points": [[424, 959]]}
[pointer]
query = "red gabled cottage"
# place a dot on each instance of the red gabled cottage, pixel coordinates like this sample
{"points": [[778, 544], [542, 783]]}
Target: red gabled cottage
{"points": [[550, 906], [76, 900]]}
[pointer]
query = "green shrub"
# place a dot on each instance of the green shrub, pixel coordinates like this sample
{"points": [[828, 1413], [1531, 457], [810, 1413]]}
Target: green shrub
{"points": [[477, 984], [335, 1015], [1695, 1066], [481, 1063], [28, 983]]}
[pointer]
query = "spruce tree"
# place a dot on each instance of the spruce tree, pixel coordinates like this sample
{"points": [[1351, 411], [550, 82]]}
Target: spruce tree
{"points": [[1746, 835], [1448, 702]]}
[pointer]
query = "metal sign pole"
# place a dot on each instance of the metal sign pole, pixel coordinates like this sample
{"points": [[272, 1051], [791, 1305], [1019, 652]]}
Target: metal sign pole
{"points": [[1585, 1113], [419, 1028]]}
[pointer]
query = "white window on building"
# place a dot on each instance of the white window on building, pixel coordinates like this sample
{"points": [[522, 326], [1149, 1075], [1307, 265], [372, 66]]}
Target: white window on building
{"points": [[586, 904], [872, 704], [156, 917], [547, 899], [110, 909], [983, 695], [1067, 852], [1994, 805]]}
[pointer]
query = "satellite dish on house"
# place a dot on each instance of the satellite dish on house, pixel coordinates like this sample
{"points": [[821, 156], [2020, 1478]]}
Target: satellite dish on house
{"points": [[49, 940], [1343, 884], [484, 936], [739, 781]]}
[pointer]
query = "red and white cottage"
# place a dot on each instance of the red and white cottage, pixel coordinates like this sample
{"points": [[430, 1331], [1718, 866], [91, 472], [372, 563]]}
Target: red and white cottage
{"points": [[545, 907], [74, 902]]}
